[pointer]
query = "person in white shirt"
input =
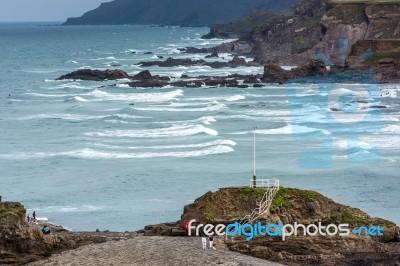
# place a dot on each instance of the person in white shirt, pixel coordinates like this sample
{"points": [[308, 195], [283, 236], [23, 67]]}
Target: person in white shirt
{"points": [[204, 242]]}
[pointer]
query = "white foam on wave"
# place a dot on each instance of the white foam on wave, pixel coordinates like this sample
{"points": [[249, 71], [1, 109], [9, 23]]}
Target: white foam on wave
{"points": [[173, 131], [286, 130], [50, 95], [123, 86], [136, 97], [225, 142], [391, 129], [232, 98], [97, 154], [181, 108], [80, 99], [78, 117], [70, 208], [207, 120]]}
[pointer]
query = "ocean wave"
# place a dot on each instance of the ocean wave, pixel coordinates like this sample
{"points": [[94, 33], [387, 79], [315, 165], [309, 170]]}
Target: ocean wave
{"points": [[70, 208], [176, 108], [391, 129], [80, 99], [225, 142], [232, 98], [98, 154], [173, 131], [288, 129], [136, 97], [79, 117]]}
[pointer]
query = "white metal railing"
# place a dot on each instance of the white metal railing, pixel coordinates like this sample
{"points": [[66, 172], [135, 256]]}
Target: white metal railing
{"points": [[272, 187], [264, 183]]}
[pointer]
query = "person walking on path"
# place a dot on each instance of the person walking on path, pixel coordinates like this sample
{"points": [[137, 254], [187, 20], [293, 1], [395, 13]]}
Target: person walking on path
{"points": [[204, 242], [211, 240]]}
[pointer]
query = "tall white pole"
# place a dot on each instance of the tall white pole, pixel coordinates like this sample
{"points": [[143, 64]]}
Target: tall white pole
{"points": [[254, 151]]}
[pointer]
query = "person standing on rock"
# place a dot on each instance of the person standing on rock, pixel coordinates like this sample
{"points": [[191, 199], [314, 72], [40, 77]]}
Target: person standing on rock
{"points": [[34, 215], [204, 242], [28, 218], [211, 241]]}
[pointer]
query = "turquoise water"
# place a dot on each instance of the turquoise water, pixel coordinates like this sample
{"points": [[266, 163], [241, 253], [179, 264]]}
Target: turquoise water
{"points": [[80, 155]]}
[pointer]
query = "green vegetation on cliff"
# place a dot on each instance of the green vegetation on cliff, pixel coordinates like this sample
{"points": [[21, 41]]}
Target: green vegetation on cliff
{"points": [[174, 12]]}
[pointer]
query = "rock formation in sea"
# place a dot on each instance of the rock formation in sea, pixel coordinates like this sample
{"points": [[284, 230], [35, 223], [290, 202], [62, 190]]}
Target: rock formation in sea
{"points": [[228, 205], [174, 12]]}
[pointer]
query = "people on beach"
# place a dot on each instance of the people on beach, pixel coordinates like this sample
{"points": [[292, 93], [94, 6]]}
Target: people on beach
{"points": [[46, 230], [28, 218], [34, 215], [211, 242], [204, 242]]}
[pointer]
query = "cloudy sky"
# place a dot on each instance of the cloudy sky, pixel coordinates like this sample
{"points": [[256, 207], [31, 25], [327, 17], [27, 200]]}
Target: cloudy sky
{"points": [[44, 10]]}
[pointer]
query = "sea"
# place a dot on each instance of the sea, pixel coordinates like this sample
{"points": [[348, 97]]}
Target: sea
{"points": [[91, 155]]}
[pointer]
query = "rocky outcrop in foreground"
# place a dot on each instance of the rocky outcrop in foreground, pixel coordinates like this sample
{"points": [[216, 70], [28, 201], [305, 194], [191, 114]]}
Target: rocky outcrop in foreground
{"points": [[227, 205], [21, 243]]}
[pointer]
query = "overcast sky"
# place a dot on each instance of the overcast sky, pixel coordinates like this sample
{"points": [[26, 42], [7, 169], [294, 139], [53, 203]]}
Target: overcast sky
{"points": [[45, 10]]}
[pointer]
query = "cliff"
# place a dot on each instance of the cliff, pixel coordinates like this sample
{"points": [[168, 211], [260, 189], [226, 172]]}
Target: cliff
{"points": [[290, 205], [315, 27], [21, 242], [174, 12]]}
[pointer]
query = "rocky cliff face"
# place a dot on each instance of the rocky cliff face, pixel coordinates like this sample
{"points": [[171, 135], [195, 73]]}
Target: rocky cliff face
{"points": [[21, 243], [316, 27]]}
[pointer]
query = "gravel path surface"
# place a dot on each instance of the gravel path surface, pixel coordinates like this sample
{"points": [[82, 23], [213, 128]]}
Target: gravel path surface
{"points": [[156, 250]]}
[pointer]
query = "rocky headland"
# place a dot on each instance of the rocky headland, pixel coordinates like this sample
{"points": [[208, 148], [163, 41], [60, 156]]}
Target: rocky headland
{"points": [[228, 205], [174, 12], [165, 244]]}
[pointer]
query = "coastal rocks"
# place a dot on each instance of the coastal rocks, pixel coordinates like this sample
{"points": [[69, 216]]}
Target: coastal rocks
{"points": [[314, 28], [213, 55], [275, 74], [21, 243], [95, 75], [145, 79], [172, 62]]}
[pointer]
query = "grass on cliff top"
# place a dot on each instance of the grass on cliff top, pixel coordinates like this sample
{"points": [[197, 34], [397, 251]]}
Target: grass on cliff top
{"points": [[280, 199], [4, 213], [249, 190]]}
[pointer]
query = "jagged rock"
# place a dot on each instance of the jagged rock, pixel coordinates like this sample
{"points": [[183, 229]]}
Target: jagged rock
{"points": [[314, 27], [275, 74], [95, 75], [213, 55], [172, 62], [145, 74]]}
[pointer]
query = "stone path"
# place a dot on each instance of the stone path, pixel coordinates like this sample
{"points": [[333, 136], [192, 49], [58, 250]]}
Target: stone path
{"points": [[149, 251]]}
